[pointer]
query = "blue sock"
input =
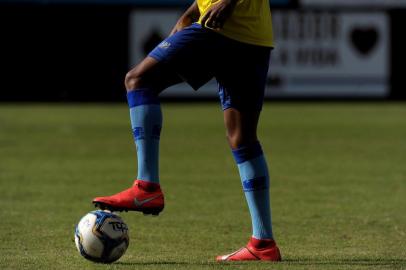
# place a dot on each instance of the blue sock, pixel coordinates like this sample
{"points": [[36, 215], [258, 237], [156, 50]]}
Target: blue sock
{"points": [[255, 181], [146, 123]]}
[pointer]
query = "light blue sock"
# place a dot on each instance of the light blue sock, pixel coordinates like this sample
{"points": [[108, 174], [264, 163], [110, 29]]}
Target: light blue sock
{"points": [[255, 181], [146, 123]]}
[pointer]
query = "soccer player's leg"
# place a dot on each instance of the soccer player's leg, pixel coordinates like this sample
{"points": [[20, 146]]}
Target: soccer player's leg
{"points": [[143, 84], [168, 64], [252, 166], [241, 90]]}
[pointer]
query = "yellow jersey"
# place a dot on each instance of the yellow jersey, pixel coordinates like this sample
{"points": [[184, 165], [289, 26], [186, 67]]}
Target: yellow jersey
{"points": [[250, 21]]}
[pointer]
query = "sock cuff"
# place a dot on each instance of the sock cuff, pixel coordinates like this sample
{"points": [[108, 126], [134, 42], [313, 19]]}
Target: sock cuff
{"points": [[147, 186], [248, 152], [142, 96], [261, 243]]}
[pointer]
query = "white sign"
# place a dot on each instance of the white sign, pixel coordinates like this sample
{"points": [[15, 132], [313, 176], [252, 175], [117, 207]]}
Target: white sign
{"points": [[330, 54], [317, 54]]}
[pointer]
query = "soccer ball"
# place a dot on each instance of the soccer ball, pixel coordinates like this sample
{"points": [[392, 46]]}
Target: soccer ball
{"points": [[101, 236]]}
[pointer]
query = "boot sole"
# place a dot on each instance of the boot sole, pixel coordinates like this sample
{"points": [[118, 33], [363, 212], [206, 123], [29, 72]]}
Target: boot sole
{"points": [[146, 212]]}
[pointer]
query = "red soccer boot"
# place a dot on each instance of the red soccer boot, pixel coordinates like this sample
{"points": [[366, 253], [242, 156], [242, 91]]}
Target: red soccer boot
{"points": [[143, 196], [256, 249]]}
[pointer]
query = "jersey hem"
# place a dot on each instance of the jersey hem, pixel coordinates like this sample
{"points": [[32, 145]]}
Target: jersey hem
{"points": [[243, 40]]}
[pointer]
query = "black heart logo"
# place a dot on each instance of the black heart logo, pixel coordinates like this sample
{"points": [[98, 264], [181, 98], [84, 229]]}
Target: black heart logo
{"points": [[364, 39]]}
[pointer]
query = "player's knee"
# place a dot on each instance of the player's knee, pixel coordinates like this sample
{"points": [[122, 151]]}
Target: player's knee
{"points": [[132, 80], [234, 140], [238, 140]]}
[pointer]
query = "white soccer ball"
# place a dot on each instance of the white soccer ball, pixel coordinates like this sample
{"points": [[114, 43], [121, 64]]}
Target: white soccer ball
{"points": [[101, 236]]}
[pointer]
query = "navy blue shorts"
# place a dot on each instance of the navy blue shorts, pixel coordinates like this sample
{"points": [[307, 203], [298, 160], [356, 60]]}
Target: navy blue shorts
{"points": [[198, 54]]}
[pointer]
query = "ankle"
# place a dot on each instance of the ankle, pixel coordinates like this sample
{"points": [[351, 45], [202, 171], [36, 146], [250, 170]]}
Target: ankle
{"points": [[147, 186], [261, 243]]}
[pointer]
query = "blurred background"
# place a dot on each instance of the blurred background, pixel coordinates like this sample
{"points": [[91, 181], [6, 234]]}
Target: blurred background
{"points": [[80, 50]]}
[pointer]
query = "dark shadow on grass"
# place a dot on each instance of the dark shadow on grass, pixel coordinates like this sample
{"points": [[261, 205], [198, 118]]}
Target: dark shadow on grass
{"points": [[153, 263], [157, 263]]}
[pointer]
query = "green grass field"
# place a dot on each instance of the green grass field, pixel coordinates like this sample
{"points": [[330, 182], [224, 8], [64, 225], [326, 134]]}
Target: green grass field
{"points": [[338, 185]]}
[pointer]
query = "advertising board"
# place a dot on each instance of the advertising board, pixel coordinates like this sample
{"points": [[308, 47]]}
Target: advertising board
{"points": [[317, 54], [330, 54]]}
